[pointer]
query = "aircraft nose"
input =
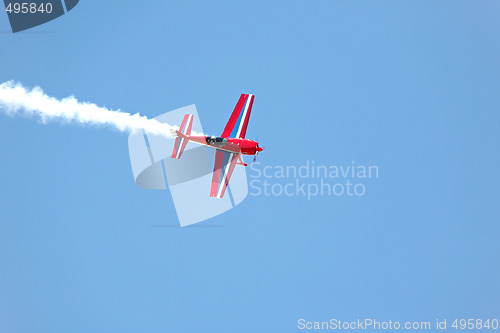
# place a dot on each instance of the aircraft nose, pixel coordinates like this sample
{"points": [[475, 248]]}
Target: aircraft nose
{"points": [[259, 149]]}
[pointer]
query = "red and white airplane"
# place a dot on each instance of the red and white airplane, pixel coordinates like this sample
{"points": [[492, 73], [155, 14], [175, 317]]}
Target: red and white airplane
{"points": [[228, 147]]}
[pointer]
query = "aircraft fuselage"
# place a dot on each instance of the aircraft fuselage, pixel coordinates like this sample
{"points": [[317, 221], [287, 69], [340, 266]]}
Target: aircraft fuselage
{"points": [[234, 145]]}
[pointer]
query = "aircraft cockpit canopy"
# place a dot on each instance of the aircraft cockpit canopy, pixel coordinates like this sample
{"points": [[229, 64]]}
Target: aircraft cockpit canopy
{"points": [[216, 140]]}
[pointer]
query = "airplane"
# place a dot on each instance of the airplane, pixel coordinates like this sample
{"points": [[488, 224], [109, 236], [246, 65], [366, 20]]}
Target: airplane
{"points": [[228, 147]]}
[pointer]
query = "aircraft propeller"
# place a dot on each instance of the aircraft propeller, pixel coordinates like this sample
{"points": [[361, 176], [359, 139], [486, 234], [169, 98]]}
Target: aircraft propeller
{"points": [[259, 149]]}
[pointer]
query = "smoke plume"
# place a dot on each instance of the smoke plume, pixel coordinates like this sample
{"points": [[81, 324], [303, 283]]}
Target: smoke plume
{"points": [[16, 99]]}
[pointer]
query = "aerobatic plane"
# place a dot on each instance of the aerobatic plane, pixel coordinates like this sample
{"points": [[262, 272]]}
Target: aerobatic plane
{"points": [[228, 147]]}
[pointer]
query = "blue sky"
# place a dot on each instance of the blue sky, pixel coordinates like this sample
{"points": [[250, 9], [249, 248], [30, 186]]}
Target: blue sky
{"points": [[409, 86]]}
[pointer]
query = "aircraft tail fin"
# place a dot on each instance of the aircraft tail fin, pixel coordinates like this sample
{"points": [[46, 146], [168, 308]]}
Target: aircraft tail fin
{"points": [[182, 136]]}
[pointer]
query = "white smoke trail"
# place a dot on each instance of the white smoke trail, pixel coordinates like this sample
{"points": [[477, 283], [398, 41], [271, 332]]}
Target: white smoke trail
{"points": [[14, 98]]}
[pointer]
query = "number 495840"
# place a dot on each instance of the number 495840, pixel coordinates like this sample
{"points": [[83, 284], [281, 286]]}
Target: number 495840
{"points": [[475, 324], [29, 8]]}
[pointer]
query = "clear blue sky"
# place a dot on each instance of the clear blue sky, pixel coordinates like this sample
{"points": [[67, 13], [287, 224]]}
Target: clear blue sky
{"points": [[409, 86]]}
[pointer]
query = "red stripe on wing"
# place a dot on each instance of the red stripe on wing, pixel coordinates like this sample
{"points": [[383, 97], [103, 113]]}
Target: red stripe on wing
{"points": [[229, 173], [176, 146], [247, 118], [234, 116], [186, 117], [219, 157]]}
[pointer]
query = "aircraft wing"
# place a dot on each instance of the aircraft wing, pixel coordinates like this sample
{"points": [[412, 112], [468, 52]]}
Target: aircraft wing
{"points": [[236, 127], [223, 168]]}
